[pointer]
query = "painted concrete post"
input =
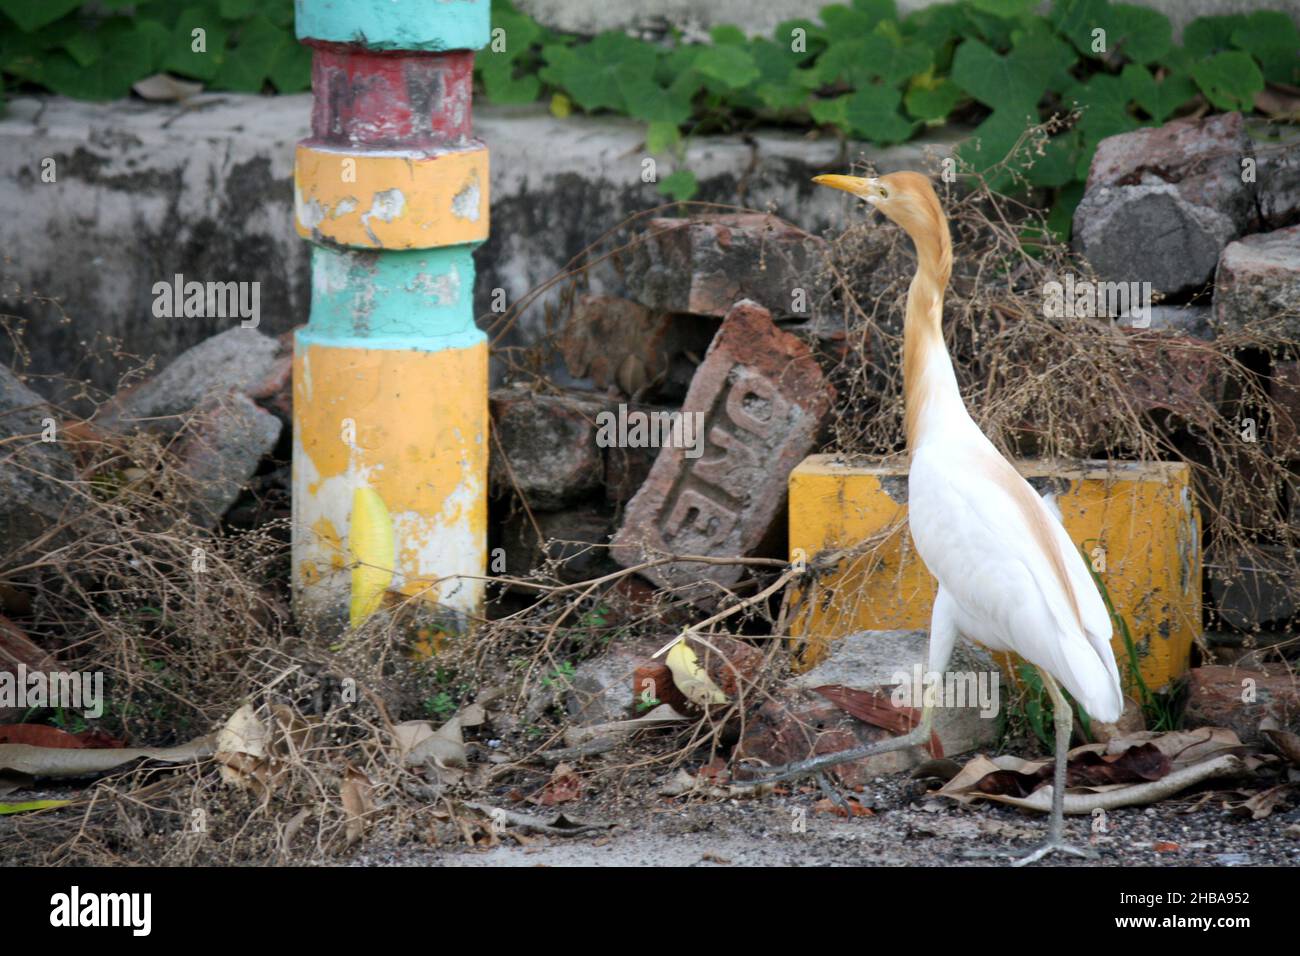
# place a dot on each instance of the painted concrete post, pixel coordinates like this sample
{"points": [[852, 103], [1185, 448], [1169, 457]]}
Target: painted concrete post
{"points": [[390, 373]]}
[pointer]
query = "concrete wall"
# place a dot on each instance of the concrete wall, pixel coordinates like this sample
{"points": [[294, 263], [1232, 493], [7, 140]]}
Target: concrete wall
{"points": [[760, 16], [143, 192]]}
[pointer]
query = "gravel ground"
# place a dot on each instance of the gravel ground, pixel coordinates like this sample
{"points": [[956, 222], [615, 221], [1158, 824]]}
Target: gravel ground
{"points": [[902, 830]]}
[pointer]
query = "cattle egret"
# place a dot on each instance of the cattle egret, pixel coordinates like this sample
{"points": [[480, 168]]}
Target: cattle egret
{"points": [[1009, 577]]}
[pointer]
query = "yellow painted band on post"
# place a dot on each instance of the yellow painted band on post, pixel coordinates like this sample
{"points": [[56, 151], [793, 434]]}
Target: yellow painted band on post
{"points": [[386, 201], [1140, 515], [412, 425]]}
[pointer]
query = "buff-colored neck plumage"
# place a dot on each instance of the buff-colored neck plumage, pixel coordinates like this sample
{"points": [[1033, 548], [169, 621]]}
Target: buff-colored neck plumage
{"points": [[929, 386]]}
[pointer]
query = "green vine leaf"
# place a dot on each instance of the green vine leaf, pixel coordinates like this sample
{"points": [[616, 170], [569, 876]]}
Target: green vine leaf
{"points": [[877, 11], [1004, 8], [123, 60], [1158, 99], [830, 112], [861, 60], [728, 35], [1055, 166], [872, 112], [647, 100], [248, 64], [236, 9], [1077, 19], [31, 15], [1206, 36], [680, 185], [291, 71], [1062, 213], [498, 68], [1229, 80], [993, 140], [503, 87], [728, 65], [1139, 33], [1012, 82], [1104, 100], [590, 74], [1272, 38], [663, 137], [814, 38], [778, 87], [85, 48], [182, 58], [932, 100], [843, 21]]}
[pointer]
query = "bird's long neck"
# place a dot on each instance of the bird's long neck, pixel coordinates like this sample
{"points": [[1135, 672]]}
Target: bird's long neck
{"points": [[930, 392]]}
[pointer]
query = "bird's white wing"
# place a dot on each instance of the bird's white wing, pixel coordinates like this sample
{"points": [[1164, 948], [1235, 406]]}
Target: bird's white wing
{"points": [[1010, 568]]}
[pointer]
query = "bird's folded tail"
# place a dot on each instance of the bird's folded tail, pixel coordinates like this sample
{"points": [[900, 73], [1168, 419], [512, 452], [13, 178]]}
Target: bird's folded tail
{"points": [[1094, 673]]}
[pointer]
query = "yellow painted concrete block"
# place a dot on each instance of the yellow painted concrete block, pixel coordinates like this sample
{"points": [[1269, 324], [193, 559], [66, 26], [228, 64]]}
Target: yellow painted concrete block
{"points": [[392, 201], [1137, 521], [412, 426]]}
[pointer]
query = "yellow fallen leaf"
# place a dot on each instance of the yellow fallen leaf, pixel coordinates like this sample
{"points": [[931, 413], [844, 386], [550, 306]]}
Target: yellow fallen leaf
{"points": [[373, 554], [690, 678]]}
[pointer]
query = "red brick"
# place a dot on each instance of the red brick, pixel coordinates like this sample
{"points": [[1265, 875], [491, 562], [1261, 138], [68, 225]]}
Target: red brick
{"points": [[619, 343], [653, 680], [626, 470], [1214, 699], [16, 648], [1173, 372], [797, 724], [764, 401], [731, 664]]}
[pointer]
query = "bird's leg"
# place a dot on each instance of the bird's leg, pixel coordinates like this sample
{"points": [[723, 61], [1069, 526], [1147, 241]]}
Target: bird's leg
{"points": [[1064, 719], [943, 634], [917, 736]]}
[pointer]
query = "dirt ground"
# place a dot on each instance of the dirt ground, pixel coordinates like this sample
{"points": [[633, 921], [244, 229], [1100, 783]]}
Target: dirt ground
{"points": [[902, 830], [797, 829]]}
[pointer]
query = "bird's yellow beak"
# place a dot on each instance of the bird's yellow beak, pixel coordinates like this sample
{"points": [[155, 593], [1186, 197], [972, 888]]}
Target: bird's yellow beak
{"points": [[850, 184]]}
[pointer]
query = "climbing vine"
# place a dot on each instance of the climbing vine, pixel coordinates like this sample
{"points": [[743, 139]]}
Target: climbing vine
{"points": [[867, 73], [858, 69]]}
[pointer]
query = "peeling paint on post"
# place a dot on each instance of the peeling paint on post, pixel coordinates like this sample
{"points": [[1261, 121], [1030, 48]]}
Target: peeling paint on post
{"points": [[390, 374]]}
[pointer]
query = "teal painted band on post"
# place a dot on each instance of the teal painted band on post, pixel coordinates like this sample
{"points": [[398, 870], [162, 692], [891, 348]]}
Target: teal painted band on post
{"points": [[428, 25], [400, 299]]}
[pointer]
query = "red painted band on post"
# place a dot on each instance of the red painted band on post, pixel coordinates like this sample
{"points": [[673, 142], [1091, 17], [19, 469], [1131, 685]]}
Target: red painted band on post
{"points": [[396, 99]]}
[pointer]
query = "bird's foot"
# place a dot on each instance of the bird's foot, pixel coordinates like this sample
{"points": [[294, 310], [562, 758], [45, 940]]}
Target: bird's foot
{"points": [[1056, 845], [834, 796]]}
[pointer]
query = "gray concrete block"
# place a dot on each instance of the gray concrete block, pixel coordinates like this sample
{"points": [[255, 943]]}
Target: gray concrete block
{"points": [[870, 659]]}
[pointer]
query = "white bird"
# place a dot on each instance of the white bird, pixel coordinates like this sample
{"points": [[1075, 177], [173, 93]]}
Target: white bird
{"points": [[1009, 577]]}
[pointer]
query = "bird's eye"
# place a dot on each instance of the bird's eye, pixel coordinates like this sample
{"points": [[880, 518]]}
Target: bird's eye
{"points": [[884, 193]]}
